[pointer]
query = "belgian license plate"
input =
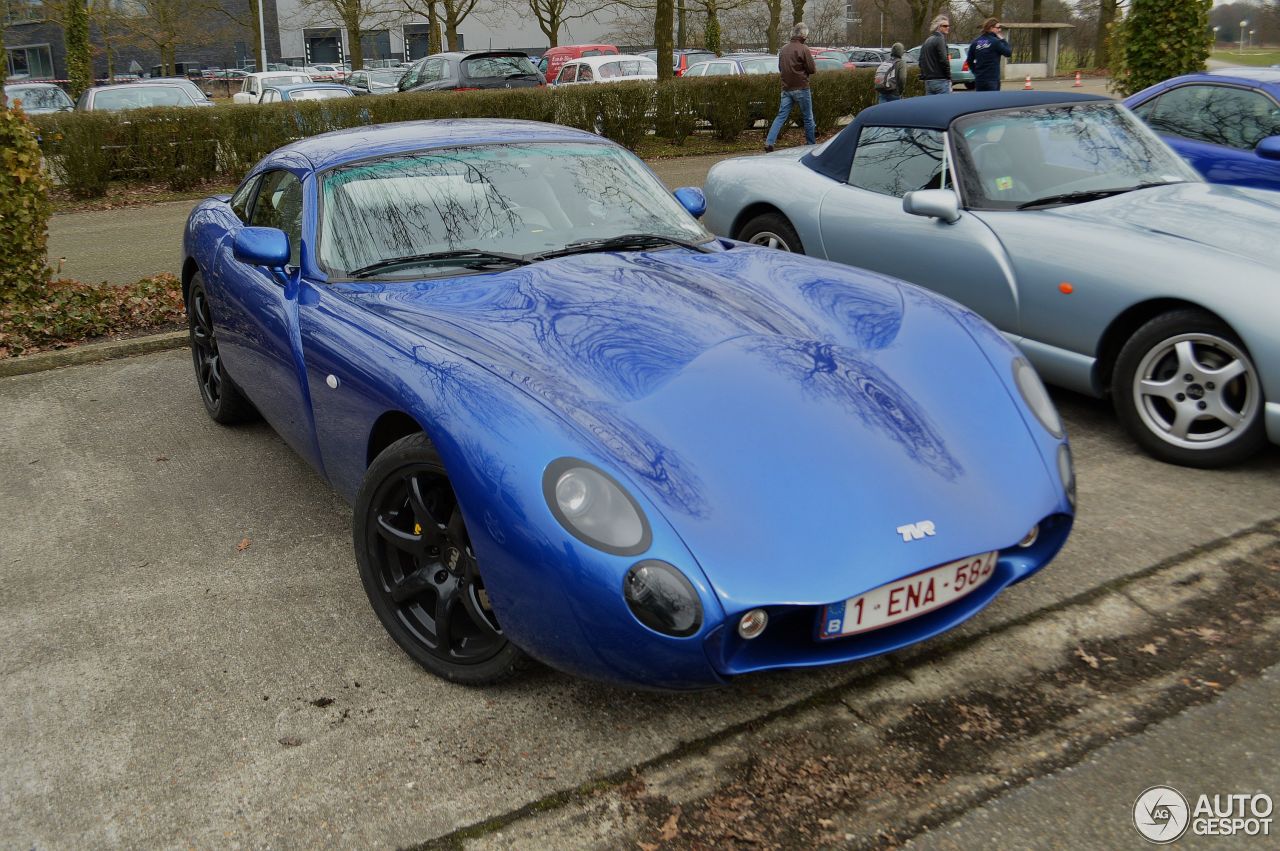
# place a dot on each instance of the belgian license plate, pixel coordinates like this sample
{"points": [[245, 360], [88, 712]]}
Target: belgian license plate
{"points": [[907, 598]]}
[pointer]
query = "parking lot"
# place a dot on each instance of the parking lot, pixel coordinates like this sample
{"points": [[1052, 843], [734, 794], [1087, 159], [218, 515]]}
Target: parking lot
{"points": [[192, 661]]}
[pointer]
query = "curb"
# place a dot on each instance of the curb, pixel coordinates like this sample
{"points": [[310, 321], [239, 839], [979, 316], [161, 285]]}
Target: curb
{"points": [[92, 353]]}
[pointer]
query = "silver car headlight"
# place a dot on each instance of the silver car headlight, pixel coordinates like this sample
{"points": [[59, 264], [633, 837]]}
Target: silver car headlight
{"points": [[1067, 470], [594, 508], [1036, 397]]}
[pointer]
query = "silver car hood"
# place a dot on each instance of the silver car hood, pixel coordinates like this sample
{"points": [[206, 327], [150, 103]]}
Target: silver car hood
{"points": [[1237, 221]]}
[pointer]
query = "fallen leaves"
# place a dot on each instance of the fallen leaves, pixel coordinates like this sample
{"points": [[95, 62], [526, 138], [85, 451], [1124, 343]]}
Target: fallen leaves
{"points": [[243, 545], [1086, 657], [671, 827]]}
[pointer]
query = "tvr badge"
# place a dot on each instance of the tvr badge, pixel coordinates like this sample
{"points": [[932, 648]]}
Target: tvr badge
{"points": [[916, 531]]}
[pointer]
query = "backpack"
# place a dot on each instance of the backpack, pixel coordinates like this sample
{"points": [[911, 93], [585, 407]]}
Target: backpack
{"points": [[886, 78]]}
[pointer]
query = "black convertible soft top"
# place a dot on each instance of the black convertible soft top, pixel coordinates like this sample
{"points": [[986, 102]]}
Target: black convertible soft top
{"points": [[932, 112]]}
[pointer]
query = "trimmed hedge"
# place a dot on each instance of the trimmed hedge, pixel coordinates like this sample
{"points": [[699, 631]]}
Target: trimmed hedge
{"points": [[24, 211], [186, 147]]}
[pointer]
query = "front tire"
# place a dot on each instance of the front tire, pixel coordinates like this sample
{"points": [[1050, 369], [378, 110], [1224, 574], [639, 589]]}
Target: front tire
{"points": [[1185, 388], [419, 571], [223, 400], [771, 230]]}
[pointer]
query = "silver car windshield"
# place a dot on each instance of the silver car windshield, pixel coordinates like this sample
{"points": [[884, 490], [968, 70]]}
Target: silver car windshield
{"points": [[517, 199], [1062, 154]]}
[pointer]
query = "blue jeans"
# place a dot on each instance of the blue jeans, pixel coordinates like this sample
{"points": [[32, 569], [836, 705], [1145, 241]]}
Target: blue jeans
{"points": [[937, 87], [802, 99], [886, 98]]}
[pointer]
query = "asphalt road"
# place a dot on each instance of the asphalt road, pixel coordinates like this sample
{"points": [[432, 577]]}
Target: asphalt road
{"points": [[189, 658]]}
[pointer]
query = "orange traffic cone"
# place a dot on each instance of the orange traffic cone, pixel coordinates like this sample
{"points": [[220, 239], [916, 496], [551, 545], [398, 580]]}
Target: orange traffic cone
{"points": [[1026, 87], [1077, 84]]}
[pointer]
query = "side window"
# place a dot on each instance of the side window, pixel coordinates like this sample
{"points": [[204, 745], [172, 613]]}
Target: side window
{"points": [[1178, 112], [1237, 118], [719, 69], [279, 205], [240, 200], [566, 73], [696, 71], [898, 160], [585, 74], [269, 96]]}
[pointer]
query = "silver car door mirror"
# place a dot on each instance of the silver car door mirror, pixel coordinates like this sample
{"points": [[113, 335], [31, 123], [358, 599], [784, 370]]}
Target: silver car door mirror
{"points": [[934, 203]]}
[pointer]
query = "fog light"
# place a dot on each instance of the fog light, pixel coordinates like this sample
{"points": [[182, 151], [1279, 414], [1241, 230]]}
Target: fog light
{"points": [[1031, 537], [753, 623]]}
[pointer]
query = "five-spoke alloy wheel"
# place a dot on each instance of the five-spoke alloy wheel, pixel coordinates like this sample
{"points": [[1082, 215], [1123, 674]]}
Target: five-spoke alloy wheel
{"points": [[771, 230], [1186, 389], [419, 570]]}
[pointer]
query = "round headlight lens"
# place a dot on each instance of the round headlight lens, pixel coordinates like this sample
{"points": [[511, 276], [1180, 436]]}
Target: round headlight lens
{"points": [[594, 508], [1036, 397], [1067, 470], [662, 598]]}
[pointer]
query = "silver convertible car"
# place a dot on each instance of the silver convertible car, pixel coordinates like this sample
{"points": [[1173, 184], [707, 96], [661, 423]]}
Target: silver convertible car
{"points": [[1069, 225]]}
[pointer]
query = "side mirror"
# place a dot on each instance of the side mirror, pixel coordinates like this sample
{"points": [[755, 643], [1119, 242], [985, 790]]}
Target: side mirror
{"points": [[1269, 148], [934, 203], [692, 199], [262, 247]]}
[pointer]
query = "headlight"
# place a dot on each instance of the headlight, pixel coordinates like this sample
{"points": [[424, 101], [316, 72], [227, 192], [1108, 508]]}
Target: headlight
{"points": [[1036, 397], [594, 508], [662, 598], [1067, 470]]}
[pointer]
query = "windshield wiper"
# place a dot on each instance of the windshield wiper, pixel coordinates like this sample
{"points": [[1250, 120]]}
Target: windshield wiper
{"points": [[621, 243], [1088, 195], [471, 258]]}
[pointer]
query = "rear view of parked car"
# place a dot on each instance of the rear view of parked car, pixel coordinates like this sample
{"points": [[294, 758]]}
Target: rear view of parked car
{"points": [[463, 71], [163, 92], [607, 69], [38, 98], [375, 81], [254, 85], [314, 91], [551, 61]]}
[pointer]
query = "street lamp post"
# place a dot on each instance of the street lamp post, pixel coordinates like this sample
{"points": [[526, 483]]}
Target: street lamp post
{"points": [[1251, 32], [1243, 24], [1215, 37]]}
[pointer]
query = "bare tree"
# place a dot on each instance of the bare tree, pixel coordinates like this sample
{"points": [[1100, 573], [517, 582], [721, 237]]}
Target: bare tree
{"points": [[163, 25], [355, 16], [429, 9], [550, 15], [455, 12]]}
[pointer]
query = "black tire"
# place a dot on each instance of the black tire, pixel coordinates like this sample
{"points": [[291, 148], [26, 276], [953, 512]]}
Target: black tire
{"points": [[971, 85], [418, 570], [771, 230], [1165, 393], [223, 400]]}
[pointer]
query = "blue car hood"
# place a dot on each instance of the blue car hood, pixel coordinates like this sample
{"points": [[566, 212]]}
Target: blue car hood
{"points": [[1220, 218], [786, 416]]}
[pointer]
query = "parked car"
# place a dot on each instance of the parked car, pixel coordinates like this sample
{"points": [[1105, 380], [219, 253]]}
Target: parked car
{"points": [[1225, 122], [163, 91], [253, 85], [958, 53], [225, 74], [734, 64], [549, 63], [304, 91], [606, 69], [829, 62], [38, 98], [1073, 228], [336, 73], [682, 59], [543, 390], [477, 69], [374, 81], [867, 57]]}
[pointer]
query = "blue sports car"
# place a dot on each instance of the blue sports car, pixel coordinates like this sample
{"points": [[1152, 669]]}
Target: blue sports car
{"points": [[1225, 122], [575, 425]]}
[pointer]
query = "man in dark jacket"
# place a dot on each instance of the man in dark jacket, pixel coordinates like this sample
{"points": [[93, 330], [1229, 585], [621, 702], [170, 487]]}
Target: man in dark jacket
{"points": [[984, 56], [935, 64], [795, 63]]}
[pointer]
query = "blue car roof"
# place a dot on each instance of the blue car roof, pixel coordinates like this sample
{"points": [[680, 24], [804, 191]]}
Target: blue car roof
{"points": [[1266, 76], [931, 113], [361, 143]]}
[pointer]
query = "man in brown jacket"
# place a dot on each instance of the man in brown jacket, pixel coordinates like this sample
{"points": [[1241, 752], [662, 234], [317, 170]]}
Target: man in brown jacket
{"points": [[795, 63]]}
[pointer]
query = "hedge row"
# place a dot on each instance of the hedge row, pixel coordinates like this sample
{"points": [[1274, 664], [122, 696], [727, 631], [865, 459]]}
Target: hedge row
{"points": [[186, 147]]}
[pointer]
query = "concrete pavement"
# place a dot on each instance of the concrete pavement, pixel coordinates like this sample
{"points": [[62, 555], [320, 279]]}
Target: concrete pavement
{"points": [[190, 659]]}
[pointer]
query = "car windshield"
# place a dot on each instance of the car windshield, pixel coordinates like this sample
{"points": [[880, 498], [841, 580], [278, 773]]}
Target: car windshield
{"points": [[519, 199], [285, 79], [137, 97], [40, 98], [498, 66], [386, 77], [1059, 154], [318, 94]]}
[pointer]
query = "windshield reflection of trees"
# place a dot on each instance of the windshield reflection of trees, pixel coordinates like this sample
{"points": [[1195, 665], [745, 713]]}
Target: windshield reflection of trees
{"points": [[1219, 116], [898, 160], [508, 198]]}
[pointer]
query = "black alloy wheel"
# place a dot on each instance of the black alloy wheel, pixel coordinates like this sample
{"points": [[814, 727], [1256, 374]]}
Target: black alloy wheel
{"points": [[223, 400], [419, 571]]}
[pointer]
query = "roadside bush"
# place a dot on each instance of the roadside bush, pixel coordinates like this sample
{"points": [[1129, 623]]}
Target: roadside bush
{"points": [[1159, 39], [724, 103], [24, 212], [66, 311], [676, 110]]}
